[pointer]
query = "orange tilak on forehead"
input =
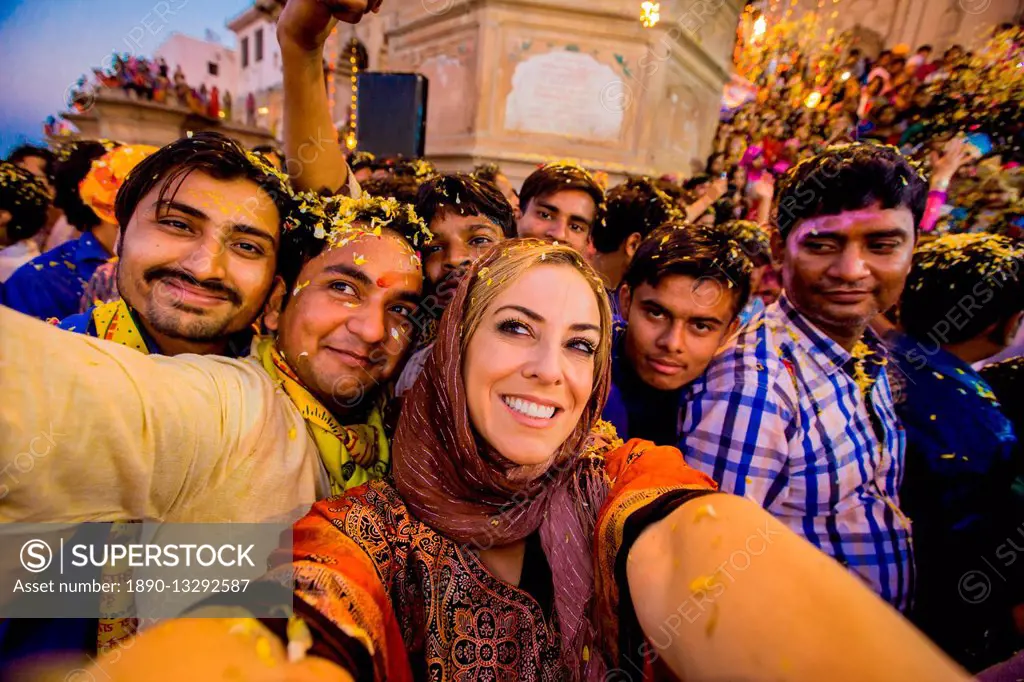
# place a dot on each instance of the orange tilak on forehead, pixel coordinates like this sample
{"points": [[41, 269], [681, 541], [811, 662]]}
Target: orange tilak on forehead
{"points": [[390, 279]]}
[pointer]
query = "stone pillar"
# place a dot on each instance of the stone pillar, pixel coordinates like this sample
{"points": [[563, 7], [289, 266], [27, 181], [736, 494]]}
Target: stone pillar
{"points": [[521, 83]]}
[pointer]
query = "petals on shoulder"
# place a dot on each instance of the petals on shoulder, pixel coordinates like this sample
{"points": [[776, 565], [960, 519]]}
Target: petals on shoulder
{"points": [[754, 358]]}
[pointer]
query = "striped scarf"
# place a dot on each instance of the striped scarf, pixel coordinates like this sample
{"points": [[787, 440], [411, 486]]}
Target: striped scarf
{"points": [[118, 617]]}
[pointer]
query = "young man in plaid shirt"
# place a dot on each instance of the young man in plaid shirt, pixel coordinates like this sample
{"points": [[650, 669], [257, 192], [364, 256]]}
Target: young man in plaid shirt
{"points": [[797, 412]]}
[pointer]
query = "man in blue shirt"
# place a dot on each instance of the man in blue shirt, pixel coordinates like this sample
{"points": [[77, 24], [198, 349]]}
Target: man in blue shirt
{"points": [[963, 302], [50, 285], [680, 298], [796, 413]]}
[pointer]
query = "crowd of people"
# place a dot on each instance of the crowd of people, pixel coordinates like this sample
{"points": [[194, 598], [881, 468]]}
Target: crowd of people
{"points": [[151, 80], [718, 427], [917, 102]]}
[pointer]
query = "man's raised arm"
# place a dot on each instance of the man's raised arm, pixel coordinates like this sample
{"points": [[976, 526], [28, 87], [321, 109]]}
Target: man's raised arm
{"points": [[314, 158]]}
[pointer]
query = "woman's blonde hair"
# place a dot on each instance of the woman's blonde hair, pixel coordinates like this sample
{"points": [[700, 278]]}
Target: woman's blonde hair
{"points": [[509, 261]]}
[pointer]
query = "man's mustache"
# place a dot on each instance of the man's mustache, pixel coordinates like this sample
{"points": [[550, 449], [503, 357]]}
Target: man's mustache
{"points": [[214, 286], [449, 284]]}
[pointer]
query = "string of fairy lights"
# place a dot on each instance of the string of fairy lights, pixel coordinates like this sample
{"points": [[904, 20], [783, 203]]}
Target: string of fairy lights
{"points": [[332, 59], [352, 137]]}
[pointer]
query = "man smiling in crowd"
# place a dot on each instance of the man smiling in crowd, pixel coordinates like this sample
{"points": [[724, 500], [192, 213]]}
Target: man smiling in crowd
{"points": [[680, 298], [340, 313], [200, 222], [200, 230], [797, 412]]}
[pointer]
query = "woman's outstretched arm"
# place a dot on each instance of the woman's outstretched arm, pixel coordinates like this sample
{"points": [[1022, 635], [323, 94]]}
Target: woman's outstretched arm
{"points": [[723, 591]]}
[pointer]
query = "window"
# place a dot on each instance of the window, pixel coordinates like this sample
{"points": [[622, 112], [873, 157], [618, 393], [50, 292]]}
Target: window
{"points": [[212, 68], [259, 45], [245, 52]]}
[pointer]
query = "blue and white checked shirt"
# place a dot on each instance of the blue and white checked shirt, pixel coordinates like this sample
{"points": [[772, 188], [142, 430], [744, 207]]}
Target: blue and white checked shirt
{"points": [[778, 419]]}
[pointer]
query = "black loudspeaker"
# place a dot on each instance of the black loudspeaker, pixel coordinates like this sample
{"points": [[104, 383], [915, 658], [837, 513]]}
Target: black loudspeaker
{"points": [[391, 113]]}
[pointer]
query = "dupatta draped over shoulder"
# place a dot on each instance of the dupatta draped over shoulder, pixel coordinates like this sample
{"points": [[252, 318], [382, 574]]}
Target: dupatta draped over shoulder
{"points": [[388, 576]]}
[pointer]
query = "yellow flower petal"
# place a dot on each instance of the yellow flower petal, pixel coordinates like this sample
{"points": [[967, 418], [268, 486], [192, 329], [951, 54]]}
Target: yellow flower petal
{"points": [[705, 511], [702, 583]]}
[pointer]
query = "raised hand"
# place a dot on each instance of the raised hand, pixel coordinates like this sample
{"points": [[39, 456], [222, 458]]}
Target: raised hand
{"points": [[764, 188], [308, 23], [717, 189], [302, 30], [955, 154]]}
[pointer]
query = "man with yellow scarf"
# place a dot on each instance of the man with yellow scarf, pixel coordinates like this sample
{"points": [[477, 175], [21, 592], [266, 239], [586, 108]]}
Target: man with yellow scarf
{"points": [[199, 229], [195, 269], [200, 244]]}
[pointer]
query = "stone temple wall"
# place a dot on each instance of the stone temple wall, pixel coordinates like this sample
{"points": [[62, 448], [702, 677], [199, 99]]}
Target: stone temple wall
{"points": [[520, 83]]}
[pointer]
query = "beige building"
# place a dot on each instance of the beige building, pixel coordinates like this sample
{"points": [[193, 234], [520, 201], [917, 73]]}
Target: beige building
{"points": [[523, 83], [202, 62], [114, 114], [259, 67]]}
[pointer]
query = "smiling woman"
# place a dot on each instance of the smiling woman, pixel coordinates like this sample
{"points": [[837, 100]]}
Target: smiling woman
{"points": [[534, 351]]}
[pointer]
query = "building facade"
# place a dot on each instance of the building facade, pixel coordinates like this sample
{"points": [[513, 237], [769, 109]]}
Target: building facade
{"points": [[520, 84], [202, 61], [259, 100]]}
